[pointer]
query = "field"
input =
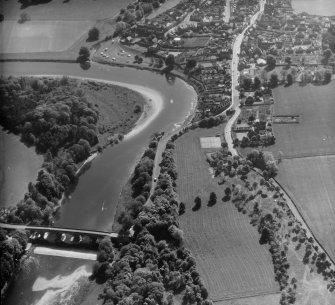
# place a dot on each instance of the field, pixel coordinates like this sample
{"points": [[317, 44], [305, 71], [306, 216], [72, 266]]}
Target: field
{"points": [[54, 26], [62, 10], [311, 181], [41, 36], [226, 247], [116, 107], [314, 135]]}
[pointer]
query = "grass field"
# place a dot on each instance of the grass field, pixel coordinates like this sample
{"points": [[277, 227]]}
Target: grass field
{"points": [[41, 36], [115, 105], [54, 26], [311, 182], [226, 247], [61, 10], [314, 135]]}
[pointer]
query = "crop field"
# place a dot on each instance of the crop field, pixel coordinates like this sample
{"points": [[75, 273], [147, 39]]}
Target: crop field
{"points": [[41, 36], [314, 135], [226, 246], [311, 183]]}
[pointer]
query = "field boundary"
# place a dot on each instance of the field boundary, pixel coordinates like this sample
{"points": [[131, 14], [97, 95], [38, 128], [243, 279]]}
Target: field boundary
{"points": [[245, 296], [309, 156], [290, 196]]}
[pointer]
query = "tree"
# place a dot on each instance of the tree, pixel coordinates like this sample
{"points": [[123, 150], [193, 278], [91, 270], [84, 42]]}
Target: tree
{"points": [[120, 27], [129, 17], [190, 64], [288, 60], [328, 77], [93, 34], [327, 53], [147, 8], [197, 204], [169, 61], [289, 79], [274, 80], [212, 199], [84, 55], [155, 4], [247, 82], [181, 208], [265, 236], [270, 62]]}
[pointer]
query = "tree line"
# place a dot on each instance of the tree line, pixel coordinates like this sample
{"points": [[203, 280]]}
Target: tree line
{"points": [[154, 266]]}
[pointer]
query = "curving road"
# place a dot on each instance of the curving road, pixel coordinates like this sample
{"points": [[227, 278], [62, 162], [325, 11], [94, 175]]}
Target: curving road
{"points": [[234, 83]]}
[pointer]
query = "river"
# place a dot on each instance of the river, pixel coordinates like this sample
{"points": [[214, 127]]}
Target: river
{"points": [[19, 165], [93, 203], [315, 7], [57, 279], [54, 281]]}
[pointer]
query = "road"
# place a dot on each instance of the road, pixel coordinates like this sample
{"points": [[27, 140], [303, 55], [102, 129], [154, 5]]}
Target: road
{"points": [[234, 83], [54, 229], [230, 123]]}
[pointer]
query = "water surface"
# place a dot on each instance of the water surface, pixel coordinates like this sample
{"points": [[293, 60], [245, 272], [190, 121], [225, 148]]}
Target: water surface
{"points": [[93, 203], [315, 7], [19, 165]]}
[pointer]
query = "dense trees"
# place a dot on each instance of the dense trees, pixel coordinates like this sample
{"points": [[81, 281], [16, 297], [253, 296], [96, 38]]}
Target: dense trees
{"points": [[12, 248], [154, 266], [54, 116], [264, 161]]}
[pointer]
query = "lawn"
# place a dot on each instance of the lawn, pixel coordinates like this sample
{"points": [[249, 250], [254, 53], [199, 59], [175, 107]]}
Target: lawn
{"points": [[314, 135], [311, 182], [226, 247]]}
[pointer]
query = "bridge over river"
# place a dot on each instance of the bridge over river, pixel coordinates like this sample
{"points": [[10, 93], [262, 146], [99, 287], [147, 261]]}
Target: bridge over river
{"points": [[63, 246]]}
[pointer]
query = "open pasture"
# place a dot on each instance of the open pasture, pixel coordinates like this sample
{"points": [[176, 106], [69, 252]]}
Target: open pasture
{"points": [[314, 135], [64, 10], [311, 183], [41, 36], [55, 25], [226, 246]]}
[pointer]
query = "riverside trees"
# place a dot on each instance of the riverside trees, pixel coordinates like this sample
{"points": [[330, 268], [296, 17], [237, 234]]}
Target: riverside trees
{"points": [[12, 248], [155, 265]]}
